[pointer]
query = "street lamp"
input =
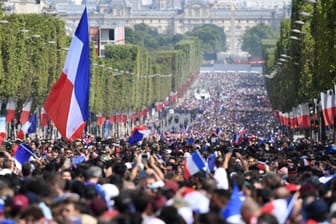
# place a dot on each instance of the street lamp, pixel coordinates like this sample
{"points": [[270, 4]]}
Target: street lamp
{"points": [[35, 36], [285, 56], [297, 31], [3, 21], [283, 60], [23, 31], [299, 22], [307, 14], [294, 38]]}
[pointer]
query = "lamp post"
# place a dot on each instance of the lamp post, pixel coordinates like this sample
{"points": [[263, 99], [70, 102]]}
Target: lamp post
{"points": [[294, 38]]}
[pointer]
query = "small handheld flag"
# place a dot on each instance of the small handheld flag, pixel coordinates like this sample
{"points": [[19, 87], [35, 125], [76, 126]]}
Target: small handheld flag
{"points": [[231, 212], [23, 154], [28, 128], [193, 164], [138, 134]]}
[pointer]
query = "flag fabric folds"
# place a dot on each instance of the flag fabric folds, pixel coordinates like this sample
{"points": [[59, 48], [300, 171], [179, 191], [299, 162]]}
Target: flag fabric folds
{"points": [[68, 102], [11, 107], [28, 128], [327, 103], [281, 208], [26, 110], [231, 213], [211, 160], [193, 164], [326, 179], [23, 154], [44, 118], [139, 133]]}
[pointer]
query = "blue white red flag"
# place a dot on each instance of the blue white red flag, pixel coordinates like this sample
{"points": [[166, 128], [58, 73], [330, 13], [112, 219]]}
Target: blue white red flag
{"points": [[138, 134], [28, 128], [68, 102], [26, 110], [219, 131], [242, 131], [11, 107], [281, 208], [262, 165], [23, 154], [231, 213], [236, 139], [305, 162], [193, 164]]}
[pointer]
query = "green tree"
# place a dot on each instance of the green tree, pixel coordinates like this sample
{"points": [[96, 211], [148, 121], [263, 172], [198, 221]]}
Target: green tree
{"points": [[212, 37], [252, 39]]}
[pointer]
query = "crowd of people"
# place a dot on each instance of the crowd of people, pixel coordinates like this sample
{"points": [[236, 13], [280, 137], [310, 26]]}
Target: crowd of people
{"points": [[265, 177]]}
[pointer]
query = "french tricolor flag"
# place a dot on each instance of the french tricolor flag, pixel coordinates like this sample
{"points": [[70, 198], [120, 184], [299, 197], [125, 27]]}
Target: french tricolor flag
{"points": [[44, 118], [193, 164], [305, 162], [68, 102], [11, 107], [26, 110], [281, 208], [28, 128], [138, 134]]}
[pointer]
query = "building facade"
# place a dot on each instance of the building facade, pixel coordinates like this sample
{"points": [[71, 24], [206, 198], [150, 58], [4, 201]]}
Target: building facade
{"points": [[166, 16]]}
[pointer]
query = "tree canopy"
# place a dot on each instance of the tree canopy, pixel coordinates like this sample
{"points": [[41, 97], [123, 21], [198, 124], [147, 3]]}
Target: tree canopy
{"points": [[253, 39], [212, 37], [305, 55]]}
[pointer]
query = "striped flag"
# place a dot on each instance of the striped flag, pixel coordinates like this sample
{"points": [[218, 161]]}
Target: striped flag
{"points": [[68, 102], [11, 107], [193, 164], [26, 110], [44, 118], [327, 103], [28, 128]]}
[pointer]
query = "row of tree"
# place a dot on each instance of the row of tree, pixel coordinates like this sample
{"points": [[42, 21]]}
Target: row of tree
{"points": [[129, 77], [304, 58]]}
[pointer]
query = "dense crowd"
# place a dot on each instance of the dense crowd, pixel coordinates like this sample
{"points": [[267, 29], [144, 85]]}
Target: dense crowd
{"points": [[264, 178]]}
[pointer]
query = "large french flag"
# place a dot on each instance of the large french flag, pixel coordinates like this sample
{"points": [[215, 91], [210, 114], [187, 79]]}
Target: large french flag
{"points": [[193, 164], [68, 102], [139, 133]]}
